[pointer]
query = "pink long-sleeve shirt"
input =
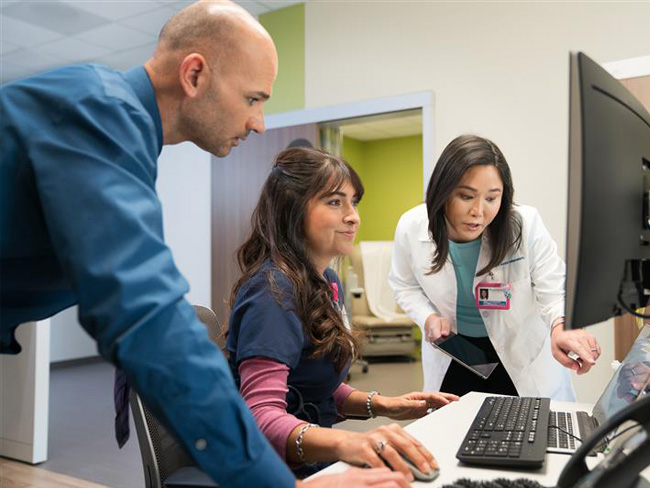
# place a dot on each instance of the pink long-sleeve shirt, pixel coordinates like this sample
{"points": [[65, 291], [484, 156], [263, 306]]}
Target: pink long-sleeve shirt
{"points": [[264, 389]]}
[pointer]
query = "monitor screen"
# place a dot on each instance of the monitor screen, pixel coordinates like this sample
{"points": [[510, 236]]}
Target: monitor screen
{"points": [[609, 163], [630, 381]]}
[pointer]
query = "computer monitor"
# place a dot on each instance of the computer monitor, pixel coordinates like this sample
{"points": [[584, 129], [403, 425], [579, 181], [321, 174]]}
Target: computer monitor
{"points": [[608, 235]]}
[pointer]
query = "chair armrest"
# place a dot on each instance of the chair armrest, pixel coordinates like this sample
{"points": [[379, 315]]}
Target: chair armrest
{"points": [[359, 305]]}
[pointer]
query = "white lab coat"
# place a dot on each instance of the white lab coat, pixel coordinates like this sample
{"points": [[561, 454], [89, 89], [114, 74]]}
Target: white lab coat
{"points": [[521, 335]]}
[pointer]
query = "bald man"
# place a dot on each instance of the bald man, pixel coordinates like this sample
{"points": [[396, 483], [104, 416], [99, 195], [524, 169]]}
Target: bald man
{"points": [[81, 223]]}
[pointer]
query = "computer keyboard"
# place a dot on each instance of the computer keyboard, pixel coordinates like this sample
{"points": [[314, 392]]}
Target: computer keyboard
{"points": [[579, 424], [558, 438], [508, 431]]}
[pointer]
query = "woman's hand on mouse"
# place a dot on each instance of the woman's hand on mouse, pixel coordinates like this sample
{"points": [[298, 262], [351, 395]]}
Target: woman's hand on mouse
{"points": [[410, 406], [383, 446]]}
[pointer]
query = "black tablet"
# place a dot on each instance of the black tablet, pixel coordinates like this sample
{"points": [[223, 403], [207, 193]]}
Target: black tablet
{"points": [[464, 352]]}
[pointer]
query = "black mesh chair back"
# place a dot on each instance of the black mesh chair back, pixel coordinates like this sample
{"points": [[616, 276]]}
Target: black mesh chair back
{"points": [[209, 318], [165, 461]]}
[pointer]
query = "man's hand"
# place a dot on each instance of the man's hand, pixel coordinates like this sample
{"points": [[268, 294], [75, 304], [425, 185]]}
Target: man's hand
{"points": [[578, 341], [436, 327], [358, 478]]}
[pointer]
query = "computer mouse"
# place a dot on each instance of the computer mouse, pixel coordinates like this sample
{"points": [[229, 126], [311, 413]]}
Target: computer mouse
{"points": [[417, 474]]}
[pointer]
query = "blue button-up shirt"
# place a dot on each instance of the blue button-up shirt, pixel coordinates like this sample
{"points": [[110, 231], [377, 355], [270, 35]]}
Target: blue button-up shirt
{"points": [[80, 222]]}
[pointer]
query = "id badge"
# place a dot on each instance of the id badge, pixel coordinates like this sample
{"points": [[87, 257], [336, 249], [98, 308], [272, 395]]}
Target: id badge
{"points": [[493, 296]]}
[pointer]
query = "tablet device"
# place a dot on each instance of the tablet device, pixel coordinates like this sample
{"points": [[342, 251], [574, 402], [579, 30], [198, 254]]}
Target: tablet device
{"points": [[465, 353]]}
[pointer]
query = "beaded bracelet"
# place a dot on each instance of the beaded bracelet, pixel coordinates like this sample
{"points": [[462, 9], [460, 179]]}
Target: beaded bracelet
{"points": [[368, 407], [299, 438]]}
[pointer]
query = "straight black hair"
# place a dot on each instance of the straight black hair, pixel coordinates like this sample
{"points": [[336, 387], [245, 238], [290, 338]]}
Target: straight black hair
{"points": [[461, 154]]}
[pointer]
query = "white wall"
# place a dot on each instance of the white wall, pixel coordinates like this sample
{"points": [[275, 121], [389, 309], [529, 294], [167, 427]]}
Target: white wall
{"points": [[184, 182], [67, 339], [184, 189], [497, 69]]}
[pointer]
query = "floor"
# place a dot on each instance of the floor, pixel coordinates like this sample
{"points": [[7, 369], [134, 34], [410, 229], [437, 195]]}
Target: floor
{"points": [[81, 438], [81, 441], [19, 475]]}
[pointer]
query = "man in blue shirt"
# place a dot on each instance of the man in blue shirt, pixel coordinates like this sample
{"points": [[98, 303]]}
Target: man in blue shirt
{"points": [[81, 223]]}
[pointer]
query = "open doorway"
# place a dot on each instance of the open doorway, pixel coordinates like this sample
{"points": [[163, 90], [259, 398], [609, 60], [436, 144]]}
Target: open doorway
{"points": [[388, 141], [386, 151]]}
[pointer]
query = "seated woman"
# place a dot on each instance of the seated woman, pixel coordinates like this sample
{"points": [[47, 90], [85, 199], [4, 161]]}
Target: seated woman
{"points": [[289, 340], [472, 262]]}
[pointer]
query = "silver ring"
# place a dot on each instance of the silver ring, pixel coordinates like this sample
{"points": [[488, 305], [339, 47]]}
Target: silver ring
{"points": [[379, 447], [594, 350]]}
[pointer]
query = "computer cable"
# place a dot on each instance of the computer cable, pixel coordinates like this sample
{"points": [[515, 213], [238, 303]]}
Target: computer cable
{"points": [[630, 427], [630, 309], [610, 439], [564, 431]]}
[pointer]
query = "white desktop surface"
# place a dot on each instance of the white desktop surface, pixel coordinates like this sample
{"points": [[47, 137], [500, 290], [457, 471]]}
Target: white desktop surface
{"points": [[443, 431]]}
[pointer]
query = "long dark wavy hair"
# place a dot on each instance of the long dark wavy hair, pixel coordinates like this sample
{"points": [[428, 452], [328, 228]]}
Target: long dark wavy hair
{"points": [[461, 154], [299, 175]]}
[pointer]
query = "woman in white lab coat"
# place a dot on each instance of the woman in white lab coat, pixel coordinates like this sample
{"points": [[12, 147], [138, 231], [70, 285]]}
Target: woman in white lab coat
{"points": [[470, 261]]}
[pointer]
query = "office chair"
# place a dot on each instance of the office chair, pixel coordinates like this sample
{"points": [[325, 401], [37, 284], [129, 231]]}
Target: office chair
{"points": [[209, 319], [165, 461]]}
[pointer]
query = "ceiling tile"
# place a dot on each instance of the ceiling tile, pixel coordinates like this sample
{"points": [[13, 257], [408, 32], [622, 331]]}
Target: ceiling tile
{"points": [[176, 4], [60, 17], [150, 22], [116, 37], [128, 59], [406, 131], [254, 8], [384, 126], [7, 47], [10, 72], [72, 50], [278, 4], [32, 59], [413, 120], [116, 9], [125, 43], [24, 34]]}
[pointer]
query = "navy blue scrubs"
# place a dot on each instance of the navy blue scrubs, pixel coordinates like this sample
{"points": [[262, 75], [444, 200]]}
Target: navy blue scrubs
{"points": [[261, 326]]}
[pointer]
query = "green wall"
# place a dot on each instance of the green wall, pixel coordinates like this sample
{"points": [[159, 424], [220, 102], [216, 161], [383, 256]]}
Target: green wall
{"points": [[391, 171], [287, 28]]}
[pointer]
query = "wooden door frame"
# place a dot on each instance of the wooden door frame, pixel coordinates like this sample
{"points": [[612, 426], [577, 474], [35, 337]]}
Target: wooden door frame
{"points": [[423, 100], [625, 327]]}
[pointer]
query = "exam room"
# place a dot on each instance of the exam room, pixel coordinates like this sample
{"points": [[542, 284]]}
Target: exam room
{"points": [[499, 70]]}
